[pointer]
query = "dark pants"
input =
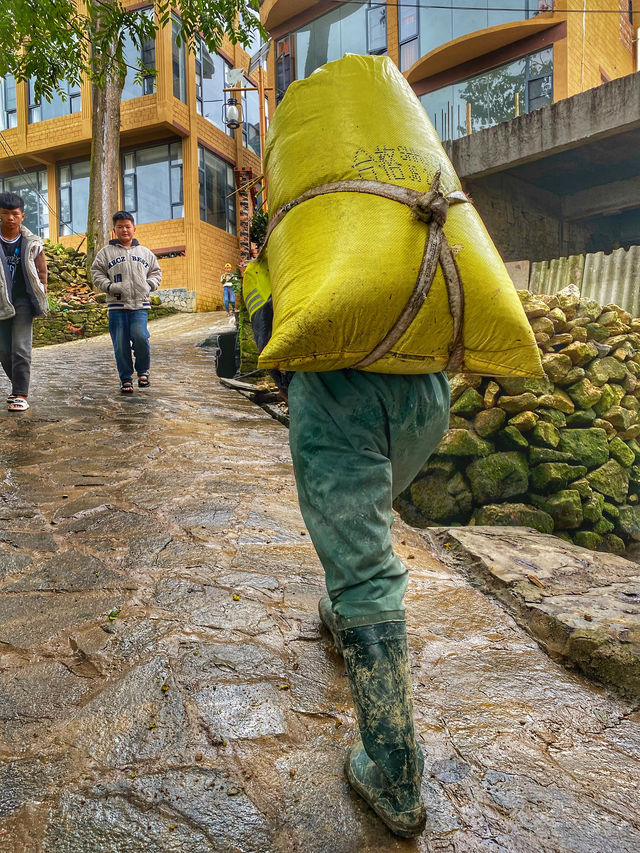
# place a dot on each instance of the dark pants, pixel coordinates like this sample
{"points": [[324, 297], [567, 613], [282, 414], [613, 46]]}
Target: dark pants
{"points": [[357, 440], [129, 329], [15, 347]]}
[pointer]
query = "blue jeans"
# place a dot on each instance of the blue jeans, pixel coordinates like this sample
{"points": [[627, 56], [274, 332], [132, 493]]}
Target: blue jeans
{"points": [[129, 329], [228, 297]]}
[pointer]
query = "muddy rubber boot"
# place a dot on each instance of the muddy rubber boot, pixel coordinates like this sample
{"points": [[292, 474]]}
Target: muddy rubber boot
{"points": [[385, 769], [328, 619]]}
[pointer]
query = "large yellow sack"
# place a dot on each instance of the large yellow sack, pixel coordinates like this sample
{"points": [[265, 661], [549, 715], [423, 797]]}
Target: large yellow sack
{"points": [[342, 266]]}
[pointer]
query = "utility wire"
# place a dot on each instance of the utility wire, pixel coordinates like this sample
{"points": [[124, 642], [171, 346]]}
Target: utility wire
{"points": [[452, 7]]}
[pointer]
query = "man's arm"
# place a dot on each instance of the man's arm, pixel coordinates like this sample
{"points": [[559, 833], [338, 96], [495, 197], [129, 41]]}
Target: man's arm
{"points": [[154, 274], [40, 261], [99, 272]]}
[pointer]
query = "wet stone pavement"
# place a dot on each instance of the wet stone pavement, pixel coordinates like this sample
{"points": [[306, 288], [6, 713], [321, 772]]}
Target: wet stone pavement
{"points": [[210, 713]]}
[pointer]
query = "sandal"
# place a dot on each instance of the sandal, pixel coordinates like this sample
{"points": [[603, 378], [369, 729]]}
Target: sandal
{"points": [[126, 387], [143, 380], [17, 404]]}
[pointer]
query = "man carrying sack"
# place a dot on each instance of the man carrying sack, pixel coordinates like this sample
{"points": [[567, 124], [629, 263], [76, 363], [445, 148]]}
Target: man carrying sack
{"points": [[376, 276]]}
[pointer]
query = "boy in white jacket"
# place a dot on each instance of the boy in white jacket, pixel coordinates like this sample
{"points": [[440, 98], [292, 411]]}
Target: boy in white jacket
{"points": [[128, 272]]}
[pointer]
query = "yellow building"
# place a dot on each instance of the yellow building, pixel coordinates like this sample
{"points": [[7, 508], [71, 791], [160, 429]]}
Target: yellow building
{"points": [[473, 63], [179, 162]]}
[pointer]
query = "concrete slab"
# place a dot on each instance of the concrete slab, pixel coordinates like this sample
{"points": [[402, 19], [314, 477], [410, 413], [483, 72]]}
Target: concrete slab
{"points": [[583, 607]]}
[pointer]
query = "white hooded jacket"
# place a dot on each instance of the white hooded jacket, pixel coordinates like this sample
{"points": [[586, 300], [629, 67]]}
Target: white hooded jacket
{"points": [[126, 275]]}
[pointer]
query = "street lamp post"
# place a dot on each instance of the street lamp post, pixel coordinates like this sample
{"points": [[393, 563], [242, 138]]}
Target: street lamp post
{"points": [[232, 117]]}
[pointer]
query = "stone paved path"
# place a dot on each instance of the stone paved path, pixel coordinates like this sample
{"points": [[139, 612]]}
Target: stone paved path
{"points": [[212, 714]]}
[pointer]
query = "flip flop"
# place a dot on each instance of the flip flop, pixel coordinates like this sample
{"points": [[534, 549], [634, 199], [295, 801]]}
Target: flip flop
{"points": [[18, 404]]}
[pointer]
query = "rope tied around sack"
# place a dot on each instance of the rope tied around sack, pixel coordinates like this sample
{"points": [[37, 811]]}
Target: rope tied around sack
{"points": [[430, 207]]}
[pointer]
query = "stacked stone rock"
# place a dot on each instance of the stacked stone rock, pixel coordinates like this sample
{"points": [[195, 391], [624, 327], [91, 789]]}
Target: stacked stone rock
{"points": [[179, 298], [68, 282], [77, 310], [558, 453]]}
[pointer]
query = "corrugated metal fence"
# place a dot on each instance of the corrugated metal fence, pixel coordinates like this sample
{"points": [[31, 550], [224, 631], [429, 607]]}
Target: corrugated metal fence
{"points": [[613, 278]]}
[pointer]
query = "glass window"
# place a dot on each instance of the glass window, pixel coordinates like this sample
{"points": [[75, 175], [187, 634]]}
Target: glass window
{"points": [[284, 66], [408, 34], [351, 28], [217, 191], [73, 194], [210, 81], [256, 39], [137, 58], [251, 120], [152, 182], [450, 19], [518, 87], [436, 26], [344, 30], [514, 10], [407, 21], [32, 186], [540, 79], [178, 62], [408, 54], [62, 103], [376, 28], [8, 103]]}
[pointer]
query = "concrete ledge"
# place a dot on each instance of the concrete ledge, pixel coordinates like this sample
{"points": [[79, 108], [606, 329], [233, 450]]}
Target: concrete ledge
{"points": [[582, 607], [612, 108]]}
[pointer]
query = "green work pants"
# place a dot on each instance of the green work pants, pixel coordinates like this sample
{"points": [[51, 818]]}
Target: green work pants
{"points": [[357, 440]]}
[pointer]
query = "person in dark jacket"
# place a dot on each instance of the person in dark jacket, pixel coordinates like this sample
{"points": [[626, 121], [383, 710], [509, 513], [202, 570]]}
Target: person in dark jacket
{"points": [[23, 296]]}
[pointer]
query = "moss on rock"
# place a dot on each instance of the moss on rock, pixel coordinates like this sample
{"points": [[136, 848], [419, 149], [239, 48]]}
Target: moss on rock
{"points": [[510, 514], [498, 477]]}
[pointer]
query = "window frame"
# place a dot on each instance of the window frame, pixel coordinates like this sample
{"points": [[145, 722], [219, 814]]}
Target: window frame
{"points": [[66, 226], [129, 178], [146, 54], [230, 211], [42, 187], [284, 70], [527, 80], [181, 79], [410, 39], [71, 98], [245, 123], [530, 9], [8, 114], [200, 100], [286, 73], [374, 6]]}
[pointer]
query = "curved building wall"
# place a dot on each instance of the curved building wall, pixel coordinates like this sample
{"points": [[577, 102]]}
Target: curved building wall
{"points": [[423, 29]]}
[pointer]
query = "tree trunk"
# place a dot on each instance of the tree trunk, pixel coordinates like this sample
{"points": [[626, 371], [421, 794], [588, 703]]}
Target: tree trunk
{"points": [[105, 162], [105, 142]]}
